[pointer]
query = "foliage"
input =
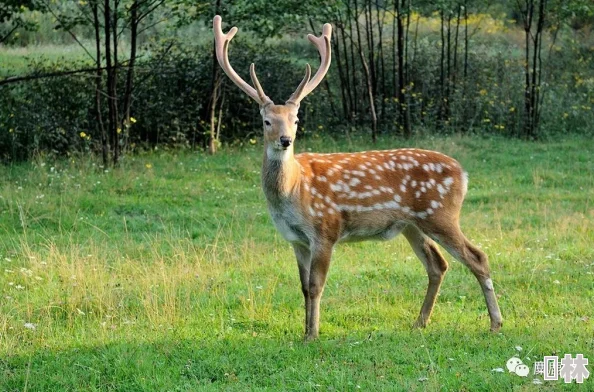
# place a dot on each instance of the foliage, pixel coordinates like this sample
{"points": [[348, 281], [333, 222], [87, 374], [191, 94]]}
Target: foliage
{"points": [[11, 12], [174, 72], [167, 274]]}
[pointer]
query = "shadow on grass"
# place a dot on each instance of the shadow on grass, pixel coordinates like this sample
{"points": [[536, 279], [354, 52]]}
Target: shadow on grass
{"points": [[403, 360]]}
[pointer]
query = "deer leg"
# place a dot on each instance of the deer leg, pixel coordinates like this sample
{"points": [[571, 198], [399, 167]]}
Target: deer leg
{"points": [[435, 265], [303, 256], [320, 263], [476, 260]]}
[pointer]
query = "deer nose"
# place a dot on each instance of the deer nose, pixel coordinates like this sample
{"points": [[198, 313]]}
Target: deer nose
{"points": [[285, 141]]}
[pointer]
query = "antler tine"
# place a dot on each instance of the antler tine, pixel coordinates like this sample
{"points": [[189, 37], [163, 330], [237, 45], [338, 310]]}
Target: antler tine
{"points": [[222, 50], [294, 99], [322, 43], [259, 89]]}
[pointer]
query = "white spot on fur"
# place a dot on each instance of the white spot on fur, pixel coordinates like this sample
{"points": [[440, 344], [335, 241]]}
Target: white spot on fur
{"points": [[402, 188], [354, 182], [434, 204], [323, 179], [448, 181]]}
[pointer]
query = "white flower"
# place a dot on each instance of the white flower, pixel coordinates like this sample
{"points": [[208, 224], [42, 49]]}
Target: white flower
{"points": [[30, 326], [497, 370], [518, 348]]}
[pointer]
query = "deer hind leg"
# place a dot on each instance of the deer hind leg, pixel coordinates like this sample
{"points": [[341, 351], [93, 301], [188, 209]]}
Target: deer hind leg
{"points": [[476, 260], [435, 265], [303, 256]]}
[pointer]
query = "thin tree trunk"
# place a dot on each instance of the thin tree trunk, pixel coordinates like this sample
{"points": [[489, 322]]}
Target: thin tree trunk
{"points": [[130, 74], [394, 50], [368, 84], [380, 66], [349, 89], [536, 68], [341, 75], [529, 12], [112, 119], [114, 91], [370, 96], [215, 82], [441, 114], [465, 39], [455, 74], [371, 46], [354, 84], [98, 82]]}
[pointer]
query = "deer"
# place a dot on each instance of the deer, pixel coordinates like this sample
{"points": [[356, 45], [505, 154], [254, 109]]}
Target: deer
{"points": [[319, 200]]}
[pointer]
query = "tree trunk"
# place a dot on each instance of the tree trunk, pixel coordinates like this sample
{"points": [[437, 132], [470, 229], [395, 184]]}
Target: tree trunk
{"points": [[109, 67], [215, 84], [130, 74], [98, 82], [114, 90]]}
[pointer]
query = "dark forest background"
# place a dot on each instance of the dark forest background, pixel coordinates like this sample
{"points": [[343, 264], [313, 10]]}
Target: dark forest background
{"points": [[115, 76]]}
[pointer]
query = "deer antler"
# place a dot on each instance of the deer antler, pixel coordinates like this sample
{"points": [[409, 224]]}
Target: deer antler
{"points": [[322, 43], [222, 47]]}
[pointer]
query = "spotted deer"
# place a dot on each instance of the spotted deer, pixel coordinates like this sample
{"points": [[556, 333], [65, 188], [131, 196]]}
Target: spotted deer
{"points": [[319, 200]]}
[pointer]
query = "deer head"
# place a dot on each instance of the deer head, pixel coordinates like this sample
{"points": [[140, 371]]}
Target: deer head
{"points": [[280, 121]]}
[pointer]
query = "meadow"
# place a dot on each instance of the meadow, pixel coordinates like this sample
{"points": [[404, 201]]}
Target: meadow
{"points": [[167, 274]]}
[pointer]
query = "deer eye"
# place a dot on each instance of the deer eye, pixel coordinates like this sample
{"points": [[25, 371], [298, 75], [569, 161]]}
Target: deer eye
{"points": [[267, 123]]}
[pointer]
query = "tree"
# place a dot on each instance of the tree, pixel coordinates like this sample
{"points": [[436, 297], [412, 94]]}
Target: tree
{"points": [[11, 14]]}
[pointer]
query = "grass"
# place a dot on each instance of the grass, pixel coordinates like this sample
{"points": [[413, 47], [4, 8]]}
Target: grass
{"points": [[16, 60], [167, 274]]}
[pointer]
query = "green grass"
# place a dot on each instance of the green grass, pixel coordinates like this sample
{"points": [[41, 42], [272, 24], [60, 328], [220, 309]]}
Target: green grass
{"points": [[167, 274], [16, 60]]}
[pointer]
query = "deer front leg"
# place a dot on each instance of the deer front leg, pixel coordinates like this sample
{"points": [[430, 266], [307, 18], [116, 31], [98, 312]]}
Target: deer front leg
{"points": [[303, 256], [320, 263]]}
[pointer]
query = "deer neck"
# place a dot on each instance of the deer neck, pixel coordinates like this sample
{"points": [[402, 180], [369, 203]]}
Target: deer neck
{"points": [[281, 174]]}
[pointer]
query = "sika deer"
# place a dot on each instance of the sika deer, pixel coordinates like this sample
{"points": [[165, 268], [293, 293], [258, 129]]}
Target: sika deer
{"points": [[318, 200]]}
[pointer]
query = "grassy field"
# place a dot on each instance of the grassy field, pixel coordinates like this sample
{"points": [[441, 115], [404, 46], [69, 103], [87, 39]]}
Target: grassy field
{"points": [[167, 274]]}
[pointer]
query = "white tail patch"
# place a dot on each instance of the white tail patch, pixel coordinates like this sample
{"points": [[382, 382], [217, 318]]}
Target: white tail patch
{"points": [[464, 183]]}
